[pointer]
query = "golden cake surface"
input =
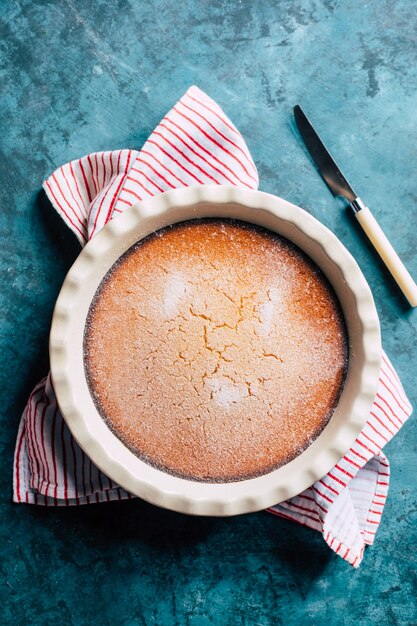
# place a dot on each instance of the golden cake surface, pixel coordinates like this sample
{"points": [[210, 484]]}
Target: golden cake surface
{"points": [[215, 350]]}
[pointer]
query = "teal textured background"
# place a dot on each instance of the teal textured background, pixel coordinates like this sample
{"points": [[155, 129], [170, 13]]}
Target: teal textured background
{"points": [[79, 76]]}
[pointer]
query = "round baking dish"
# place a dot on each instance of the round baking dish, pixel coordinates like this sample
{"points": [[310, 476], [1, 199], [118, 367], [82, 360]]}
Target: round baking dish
{"points": [[110, 454]]}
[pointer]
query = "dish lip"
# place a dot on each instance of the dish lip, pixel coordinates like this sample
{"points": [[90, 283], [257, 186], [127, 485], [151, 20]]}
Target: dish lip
{"points": [[107, 451]]}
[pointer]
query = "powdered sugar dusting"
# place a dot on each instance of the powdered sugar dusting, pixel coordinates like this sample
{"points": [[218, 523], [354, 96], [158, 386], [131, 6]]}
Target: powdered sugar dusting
{"points": [[175, 290], [226, 392], [215, 350]]}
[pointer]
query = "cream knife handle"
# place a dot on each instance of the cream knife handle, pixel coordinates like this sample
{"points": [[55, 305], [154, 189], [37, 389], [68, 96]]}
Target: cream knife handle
{"points": [[386, 251]]}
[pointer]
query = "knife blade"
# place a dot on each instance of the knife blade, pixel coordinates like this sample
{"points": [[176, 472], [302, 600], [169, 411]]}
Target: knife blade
{"points": [[322, 158], [339, 186]]}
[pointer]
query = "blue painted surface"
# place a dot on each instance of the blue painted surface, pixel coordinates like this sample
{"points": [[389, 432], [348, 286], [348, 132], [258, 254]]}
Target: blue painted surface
{"points": [[79, 76]]}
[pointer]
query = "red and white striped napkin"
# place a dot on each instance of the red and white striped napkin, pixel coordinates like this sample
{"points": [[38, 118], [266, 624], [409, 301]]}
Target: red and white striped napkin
{"points": [[194, 144]]}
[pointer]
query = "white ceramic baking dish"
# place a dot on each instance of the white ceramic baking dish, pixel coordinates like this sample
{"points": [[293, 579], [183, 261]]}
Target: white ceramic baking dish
{"points": [[109, 453]]}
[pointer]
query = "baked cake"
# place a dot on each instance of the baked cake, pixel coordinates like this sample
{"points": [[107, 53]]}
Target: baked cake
{"points": [[215, 350]]}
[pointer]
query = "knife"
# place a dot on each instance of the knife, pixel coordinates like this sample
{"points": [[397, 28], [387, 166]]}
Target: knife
{"points": [[339, 186]]}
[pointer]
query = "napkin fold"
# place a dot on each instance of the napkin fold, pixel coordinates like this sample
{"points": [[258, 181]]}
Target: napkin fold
{"points": [[194, 144]]}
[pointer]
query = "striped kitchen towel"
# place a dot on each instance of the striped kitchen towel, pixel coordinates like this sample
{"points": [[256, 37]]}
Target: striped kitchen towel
{"points": [[194, 144]]}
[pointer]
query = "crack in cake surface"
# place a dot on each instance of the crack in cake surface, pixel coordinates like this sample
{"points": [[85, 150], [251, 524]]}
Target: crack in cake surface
{"points": [[215, 350]]}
